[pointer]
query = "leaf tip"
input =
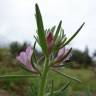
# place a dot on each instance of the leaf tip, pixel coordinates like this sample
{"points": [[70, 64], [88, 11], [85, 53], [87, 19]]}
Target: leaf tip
{"points": [[83, 24], [36, 5]]}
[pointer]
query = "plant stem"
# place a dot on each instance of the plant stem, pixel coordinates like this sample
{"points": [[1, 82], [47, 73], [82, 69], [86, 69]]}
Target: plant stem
{"points": [[44, 78]]}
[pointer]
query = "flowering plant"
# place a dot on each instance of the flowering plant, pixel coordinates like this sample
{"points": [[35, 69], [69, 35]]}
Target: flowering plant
{"points": [[53, 44]]}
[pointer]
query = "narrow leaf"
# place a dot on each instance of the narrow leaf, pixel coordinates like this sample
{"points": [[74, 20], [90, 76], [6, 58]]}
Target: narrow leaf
{"points": [[68, 41], [34, 54], [57, 92], [63, 89], [62, 33], [53, 29], [52, 91], [63, 41], [62, 74], [66, 86], [16, 76], [58, 29], [41, 32]]}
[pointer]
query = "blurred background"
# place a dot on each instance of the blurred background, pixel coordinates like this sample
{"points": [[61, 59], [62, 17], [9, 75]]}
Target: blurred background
{"points": [[17, 30]]}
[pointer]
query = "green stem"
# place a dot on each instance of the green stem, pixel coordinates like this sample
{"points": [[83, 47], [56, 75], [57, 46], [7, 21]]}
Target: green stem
{"points": [[44, 78]]}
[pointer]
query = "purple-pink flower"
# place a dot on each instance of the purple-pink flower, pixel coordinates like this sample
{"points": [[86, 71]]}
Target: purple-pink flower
{"points": [[25, 58], [61, 54], [50, 41]]}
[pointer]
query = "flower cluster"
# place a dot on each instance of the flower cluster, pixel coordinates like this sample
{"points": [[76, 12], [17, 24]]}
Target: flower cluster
{"points": [[25, 57]]}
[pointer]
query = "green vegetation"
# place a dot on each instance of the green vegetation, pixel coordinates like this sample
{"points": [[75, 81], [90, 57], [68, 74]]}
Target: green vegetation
{"points": [[22, 86]]}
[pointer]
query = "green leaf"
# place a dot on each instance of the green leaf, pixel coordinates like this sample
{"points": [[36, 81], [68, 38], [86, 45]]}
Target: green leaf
{"points": [[63, 41], [59, 91], [16, 76], [62, 31], [66, 86], [58, 29], [41, 32], [52, 91], [62, 91], [69, 40], [37, 39], [62, 74], [34, 55], [53, 29]]}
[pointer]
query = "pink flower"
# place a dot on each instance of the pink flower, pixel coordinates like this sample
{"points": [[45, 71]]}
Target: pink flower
{"points": [[50, 41], [25, 58], [61, 56]]}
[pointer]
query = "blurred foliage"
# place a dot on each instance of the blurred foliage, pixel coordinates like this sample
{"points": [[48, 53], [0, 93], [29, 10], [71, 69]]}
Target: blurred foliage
{"points": [[81, 59], [14, 48], [23, 87], [94, 54]]}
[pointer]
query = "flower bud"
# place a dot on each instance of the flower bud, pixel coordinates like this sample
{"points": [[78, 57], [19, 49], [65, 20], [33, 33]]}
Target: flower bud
{"points": [[63, 55], [50, 41]]}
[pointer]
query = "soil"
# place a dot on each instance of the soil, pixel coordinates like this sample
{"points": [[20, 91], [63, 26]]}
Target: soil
{"points": [[4, 93]]}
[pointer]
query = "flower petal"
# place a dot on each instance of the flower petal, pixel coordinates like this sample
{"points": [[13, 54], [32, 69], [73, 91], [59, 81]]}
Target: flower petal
{"points": [[29, 52], [25, 58], [22, 58], [61, 52]]}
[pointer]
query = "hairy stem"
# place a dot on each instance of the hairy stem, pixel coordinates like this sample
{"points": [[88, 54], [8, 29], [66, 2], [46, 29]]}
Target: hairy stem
{"points": [[44, 78]]}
